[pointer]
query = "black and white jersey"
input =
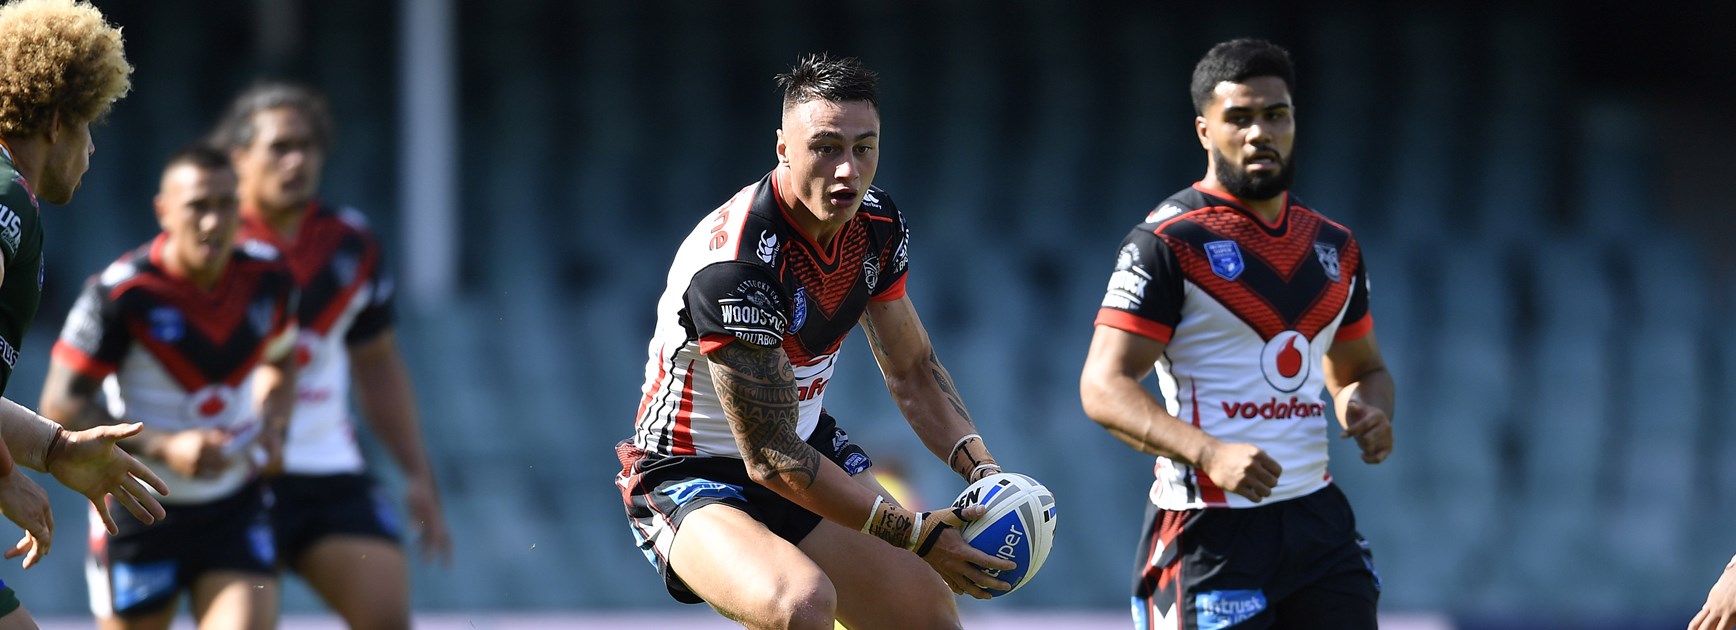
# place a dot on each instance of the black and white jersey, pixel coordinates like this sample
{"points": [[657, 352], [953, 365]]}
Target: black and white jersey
{"points": [[747, 274], [1247, 310], [177, 357]]}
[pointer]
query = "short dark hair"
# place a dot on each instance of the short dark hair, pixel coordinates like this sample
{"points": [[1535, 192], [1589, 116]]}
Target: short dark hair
{"points": [[199, 155], [236, 128], [822, 77], [1236, 61]]}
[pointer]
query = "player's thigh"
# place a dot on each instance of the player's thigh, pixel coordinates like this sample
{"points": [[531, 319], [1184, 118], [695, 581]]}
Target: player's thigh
{"points": [[18, 619], [235, 600], [363, 578], [748, 573], [879, 586]]}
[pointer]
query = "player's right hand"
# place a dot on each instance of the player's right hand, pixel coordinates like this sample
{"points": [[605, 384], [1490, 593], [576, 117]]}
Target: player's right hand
{"points": [[959, 564], [25, 503], [196, 452], [1241, 468]]}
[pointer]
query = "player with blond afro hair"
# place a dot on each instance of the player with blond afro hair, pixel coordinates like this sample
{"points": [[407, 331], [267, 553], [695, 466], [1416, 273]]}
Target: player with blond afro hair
{"points": [[61, 68]]}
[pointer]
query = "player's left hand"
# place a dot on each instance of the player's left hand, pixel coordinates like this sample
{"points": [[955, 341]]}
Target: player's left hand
{"points": [[1719, 613], [959, 564], [1371, 428], [424, 503], [92, 464]]}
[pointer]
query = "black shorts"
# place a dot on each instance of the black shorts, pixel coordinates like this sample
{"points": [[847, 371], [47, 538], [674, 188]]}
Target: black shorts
{"points": [[8, 599], [141, 569], [660, 491], [1292, 564], [306, 508]]}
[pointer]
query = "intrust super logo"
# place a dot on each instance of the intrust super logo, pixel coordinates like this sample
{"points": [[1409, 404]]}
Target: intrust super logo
{"points": [[1286, 361]]}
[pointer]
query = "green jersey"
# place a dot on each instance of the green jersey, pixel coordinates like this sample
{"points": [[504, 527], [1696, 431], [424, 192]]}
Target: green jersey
{"points": [[21, 250]]}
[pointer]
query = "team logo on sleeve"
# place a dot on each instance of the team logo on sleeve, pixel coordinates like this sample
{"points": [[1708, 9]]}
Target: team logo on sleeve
{"points": [[344, 265], [261, 313], [167, 324], [768, 247], [753, 312], [1226, 259], [1127, 284], [1328, 259], [871, 270], [1284, 361]]}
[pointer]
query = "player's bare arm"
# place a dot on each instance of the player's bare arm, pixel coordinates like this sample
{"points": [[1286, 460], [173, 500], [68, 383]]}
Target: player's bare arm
{"points": [[274, 390], [923, 389], [1111, 394], [757, 387], [388, 402], [1362, 391]]}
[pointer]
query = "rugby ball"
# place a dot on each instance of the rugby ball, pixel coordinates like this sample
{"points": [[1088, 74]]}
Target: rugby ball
{"points": [[1019, 524]]}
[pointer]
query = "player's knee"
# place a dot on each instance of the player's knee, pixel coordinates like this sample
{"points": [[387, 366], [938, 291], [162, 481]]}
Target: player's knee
{"points": [[926, 604], [802, 604]]}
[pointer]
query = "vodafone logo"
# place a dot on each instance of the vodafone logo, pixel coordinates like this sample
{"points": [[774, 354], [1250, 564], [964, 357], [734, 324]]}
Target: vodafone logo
{"points": [[210, 403], [1284, 361]]}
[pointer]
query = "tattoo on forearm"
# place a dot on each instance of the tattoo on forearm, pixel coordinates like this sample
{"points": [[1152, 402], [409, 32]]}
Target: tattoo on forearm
{"points": [[758, 390], [873, 336], [948, 389], [892, 525]]}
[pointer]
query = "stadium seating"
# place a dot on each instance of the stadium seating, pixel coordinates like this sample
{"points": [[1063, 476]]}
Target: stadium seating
{"points": [[1561, 366]]}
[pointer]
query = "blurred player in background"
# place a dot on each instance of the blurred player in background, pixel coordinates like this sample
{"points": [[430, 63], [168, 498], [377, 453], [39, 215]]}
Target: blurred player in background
{"points": [[61, 68], [1247, 302], [1719, 613], [192, 337], [739, 488], [333, 526]]}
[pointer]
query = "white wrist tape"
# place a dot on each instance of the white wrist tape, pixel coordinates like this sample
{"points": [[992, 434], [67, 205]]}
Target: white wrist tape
{"points": [[915, 532], [872, 512]]}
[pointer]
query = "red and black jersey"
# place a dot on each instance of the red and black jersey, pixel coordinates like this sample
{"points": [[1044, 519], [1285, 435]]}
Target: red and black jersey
{"points": [[178, 357], [747, 274], [1247, 309], [346, 300]]}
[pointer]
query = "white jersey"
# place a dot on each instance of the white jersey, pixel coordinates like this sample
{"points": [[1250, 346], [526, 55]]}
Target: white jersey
{"points": [[346, 299], [1247, 310], [176, 357], [747, 274]]}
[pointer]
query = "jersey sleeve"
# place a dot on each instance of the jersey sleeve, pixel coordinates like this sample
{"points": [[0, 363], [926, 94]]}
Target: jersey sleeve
{"points": [[95, 338], [1358, 321], [735, 301], [376, 317], [890, 285], [1145, 291]]}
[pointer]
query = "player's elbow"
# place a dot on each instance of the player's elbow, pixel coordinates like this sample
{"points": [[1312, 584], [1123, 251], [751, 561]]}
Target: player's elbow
{"points": [[1092, 395]]}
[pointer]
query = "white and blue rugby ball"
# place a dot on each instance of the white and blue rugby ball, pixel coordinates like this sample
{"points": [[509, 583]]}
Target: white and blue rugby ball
{"points": [[1019, 525]]}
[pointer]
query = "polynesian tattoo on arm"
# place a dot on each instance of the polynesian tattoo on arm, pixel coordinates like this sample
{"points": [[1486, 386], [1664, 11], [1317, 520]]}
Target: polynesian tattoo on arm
{"points": [[757, 387], [944, 380]]}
